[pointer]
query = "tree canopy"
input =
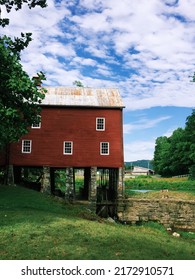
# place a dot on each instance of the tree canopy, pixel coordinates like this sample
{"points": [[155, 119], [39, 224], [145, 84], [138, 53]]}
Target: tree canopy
{"points": [[20, 96], [78, 84], [175, 155]]}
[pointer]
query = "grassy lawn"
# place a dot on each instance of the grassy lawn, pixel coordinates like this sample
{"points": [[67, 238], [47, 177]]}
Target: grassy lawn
{"points": [[156, 194], [34, 226], [178, 188]]}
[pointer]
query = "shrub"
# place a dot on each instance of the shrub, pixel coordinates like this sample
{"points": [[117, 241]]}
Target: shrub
{"points": [[192, 172]]}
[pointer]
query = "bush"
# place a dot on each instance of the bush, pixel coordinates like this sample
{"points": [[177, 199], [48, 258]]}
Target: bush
{"points": [[192, 172]]}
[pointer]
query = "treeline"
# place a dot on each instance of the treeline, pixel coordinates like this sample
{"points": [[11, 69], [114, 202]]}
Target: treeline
{"points": [[175, 155], [142, 163]]}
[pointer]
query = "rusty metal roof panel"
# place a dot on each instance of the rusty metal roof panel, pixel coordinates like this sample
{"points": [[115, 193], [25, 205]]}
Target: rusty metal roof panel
{"points": [[84, 97]]}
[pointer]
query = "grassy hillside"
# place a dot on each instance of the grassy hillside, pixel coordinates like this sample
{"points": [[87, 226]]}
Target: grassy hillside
{"points": [[34, 226]]}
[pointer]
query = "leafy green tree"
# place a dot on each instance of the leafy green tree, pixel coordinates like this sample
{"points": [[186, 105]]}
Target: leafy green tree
{"points": [[192, 172], [178, 146], [78, 84], [190, 138], [19, 95], [190, 125], [176, 155], [161, 156]]}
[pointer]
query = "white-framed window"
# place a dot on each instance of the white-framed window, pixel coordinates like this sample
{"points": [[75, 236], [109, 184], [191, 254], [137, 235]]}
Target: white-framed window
{"points": [[26, 146], [68, 148], [36, 125], [104, 148], [100, 124]]}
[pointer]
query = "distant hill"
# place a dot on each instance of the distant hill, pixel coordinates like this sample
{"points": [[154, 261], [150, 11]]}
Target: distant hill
{"points": [[142, 163]]}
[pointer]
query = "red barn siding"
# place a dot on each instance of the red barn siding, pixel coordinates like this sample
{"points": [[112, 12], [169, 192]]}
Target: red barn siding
{"points": [[72, 124]]}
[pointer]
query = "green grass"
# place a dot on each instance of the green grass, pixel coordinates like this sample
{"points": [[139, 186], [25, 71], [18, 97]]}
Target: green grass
{"points": [[34, 226], [156, 194], [153, 183], [178, 188]]}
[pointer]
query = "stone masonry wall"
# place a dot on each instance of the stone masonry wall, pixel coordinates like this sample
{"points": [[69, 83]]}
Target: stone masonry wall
{"points": [[170, 213]]}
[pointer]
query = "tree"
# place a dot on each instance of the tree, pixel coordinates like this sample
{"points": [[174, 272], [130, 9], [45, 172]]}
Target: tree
{"points": [[19, 95], [78, 84], [178, 146], [176, 155], [190, 138], [161, 156]]}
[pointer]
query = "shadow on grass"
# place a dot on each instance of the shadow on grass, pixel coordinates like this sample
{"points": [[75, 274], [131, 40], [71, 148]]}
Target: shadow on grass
{"points": [[18, 205]]}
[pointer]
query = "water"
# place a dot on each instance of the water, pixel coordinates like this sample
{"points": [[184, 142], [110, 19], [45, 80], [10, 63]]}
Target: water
{"points": [[142, 191]]}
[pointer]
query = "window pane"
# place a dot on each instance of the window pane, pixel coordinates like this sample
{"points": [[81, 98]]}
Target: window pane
{"points": [[26, 146], [100, 123], [68, 148], [37, 125], [104, 148]]}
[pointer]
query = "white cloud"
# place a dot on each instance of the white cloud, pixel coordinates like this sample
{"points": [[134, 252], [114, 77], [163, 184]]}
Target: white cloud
{"points": [[143, 123], [91, 4], [104, 70], [42, 22], [94, 22], [186, 8], [61, 76], [96, 51], [169, 132], [83, 61], [56, 48], [145, 48], [138, 150]]}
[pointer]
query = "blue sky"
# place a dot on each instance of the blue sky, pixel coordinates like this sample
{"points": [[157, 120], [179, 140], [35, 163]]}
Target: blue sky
{"points": [[144, 48]]}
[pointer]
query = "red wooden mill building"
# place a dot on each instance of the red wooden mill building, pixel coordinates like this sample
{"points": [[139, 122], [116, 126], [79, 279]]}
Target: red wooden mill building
{"points": [[80, 128]]}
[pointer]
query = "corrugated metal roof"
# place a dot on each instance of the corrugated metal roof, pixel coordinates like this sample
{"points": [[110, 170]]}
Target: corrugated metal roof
{"points": [[85, 97]]}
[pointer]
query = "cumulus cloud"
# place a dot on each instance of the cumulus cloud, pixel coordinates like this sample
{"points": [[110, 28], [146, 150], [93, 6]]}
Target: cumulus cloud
{"points": [[138, 150], [143, 123], [145, 48]]}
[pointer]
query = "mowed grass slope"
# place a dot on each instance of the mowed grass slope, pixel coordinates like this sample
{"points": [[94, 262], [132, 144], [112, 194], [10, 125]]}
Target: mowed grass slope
{"points": [[34, 226]]}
